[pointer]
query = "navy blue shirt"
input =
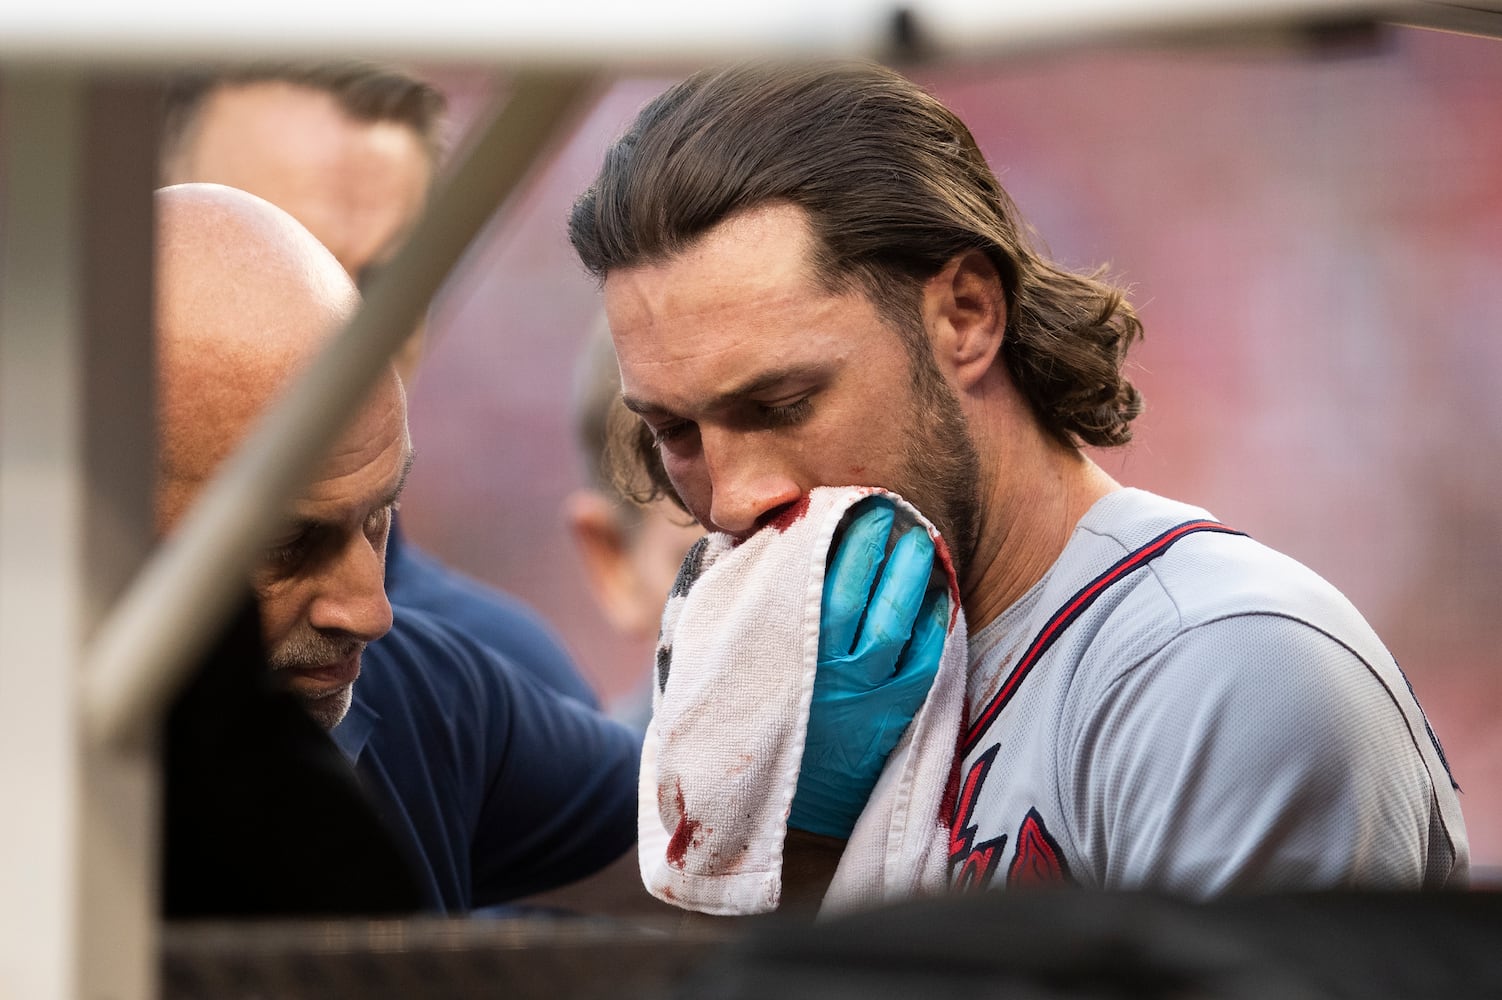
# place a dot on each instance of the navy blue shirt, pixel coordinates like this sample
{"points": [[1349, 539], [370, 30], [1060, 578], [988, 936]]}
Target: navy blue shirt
{"points": [[500, 787], [492, 618]]}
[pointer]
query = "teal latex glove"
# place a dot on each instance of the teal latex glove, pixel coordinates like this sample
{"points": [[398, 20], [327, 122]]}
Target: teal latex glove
{"points": [[881, 633]]}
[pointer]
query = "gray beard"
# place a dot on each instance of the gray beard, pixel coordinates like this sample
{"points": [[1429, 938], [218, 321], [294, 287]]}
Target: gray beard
{"points": [[329, 710], [308, 649]]}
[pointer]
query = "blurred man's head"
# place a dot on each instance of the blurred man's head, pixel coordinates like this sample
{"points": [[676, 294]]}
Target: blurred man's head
{"points": [[245, 298], [349, 149], [631, 551]]}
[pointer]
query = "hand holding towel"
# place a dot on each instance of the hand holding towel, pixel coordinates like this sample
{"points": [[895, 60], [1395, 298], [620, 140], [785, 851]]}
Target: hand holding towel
{"points": [[736, 668], [881, 634]]}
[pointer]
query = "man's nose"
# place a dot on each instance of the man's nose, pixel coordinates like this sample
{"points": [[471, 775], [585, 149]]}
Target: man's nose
{"points": [[747, 486], [352, 598]]}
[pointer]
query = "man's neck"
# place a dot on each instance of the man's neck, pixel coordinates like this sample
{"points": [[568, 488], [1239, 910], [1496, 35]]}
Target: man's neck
{"points": [[1032, 499]]}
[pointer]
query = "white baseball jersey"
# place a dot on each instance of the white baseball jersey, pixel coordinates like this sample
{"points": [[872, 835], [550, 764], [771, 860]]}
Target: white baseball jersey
{"points": [[1177, 707]]}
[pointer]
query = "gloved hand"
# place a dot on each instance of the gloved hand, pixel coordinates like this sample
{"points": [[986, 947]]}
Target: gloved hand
{"points": [[881, 633]]}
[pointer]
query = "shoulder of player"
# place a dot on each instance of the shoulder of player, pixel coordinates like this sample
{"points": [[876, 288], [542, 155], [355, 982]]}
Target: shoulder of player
{"points": [[1248, 674], [1221, 594], [1214, 575], [1184, 564], [1225, 598]]}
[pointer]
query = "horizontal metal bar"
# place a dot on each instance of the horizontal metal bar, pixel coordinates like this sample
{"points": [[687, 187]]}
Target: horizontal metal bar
{"points": [[645, 32]]}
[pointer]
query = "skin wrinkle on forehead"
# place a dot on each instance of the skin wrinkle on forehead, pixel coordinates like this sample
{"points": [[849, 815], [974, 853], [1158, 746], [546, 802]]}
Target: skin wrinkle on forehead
{"points": [[719, 346], [365, 443], [788, 286], [209, 428], [644, 320], [384, 405], [212, 392]]}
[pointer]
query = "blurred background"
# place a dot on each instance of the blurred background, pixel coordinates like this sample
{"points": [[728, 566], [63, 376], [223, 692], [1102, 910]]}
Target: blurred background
{"points": [[1311, 233]]}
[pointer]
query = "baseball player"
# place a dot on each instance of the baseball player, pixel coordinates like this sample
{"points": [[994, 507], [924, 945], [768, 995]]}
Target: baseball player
{"points": [[813, 278]]}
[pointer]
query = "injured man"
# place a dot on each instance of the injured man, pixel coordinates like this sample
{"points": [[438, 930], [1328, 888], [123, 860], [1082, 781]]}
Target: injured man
{"points": [[928, 642]]}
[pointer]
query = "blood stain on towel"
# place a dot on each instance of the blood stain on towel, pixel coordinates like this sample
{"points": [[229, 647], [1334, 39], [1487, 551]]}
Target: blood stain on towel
{"points": [[791, 514], [941, 553], [746, 760], [683, 836]]}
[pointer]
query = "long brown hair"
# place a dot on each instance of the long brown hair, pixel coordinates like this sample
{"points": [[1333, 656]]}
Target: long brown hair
{"points": [[894, 186]]}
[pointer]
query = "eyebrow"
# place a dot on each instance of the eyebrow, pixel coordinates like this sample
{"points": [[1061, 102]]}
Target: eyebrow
{"points": [[760, 382], [401, 482]]}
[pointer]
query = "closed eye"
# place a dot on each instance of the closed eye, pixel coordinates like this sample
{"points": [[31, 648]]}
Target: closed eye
{"points": [[787, 414], [669, 432], [293, 550]]}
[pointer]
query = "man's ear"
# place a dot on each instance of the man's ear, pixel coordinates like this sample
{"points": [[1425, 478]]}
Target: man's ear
{"points": [[965, 313], [595, 523]]}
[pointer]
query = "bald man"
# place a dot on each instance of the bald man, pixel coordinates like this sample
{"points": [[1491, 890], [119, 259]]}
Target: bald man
{"points": [[350, 150], [498, 786], [245, 296]]}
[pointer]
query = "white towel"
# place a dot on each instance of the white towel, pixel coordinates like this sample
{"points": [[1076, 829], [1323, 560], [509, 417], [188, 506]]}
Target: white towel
{"points": [[735, 673]]}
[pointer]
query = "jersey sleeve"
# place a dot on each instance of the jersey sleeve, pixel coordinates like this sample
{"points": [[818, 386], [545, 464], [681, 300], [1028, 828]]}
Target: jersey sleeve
{"points": [[1250, 753]]}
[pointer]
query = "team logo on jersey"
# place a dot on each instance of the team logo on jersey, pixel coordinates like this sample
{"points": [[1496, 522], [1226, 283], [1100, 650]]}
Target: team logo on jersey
{"points": [[971, 865], [1038, 860]]}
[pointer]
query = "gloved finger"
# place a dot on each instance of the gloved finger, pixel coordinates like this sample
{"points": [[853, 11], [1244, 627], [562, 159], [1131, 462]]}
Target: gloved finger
{"points": [[920, 661], [927, 644], [902, 697], [895, 605], [852, 571]]}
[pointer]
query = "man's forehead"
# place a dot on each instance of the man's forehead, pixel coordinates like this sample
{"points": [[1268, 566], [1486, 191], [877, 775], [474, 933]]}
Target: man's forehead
{"points": [[375, 447], [757, 253], [210, 392], [380, 479], [669, 315], [360, 471]]}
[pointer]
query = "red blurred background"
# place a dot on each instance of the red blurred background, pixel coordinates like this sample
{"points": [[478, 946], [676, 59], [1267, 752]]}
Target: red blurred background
{"points": [[1314, 236]]}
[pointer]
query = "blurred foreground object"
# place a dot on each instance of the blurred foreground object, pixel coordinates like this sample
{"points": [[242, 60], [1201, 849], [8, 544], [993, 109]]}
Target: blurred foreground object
{"points": [[1070, 944]]}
